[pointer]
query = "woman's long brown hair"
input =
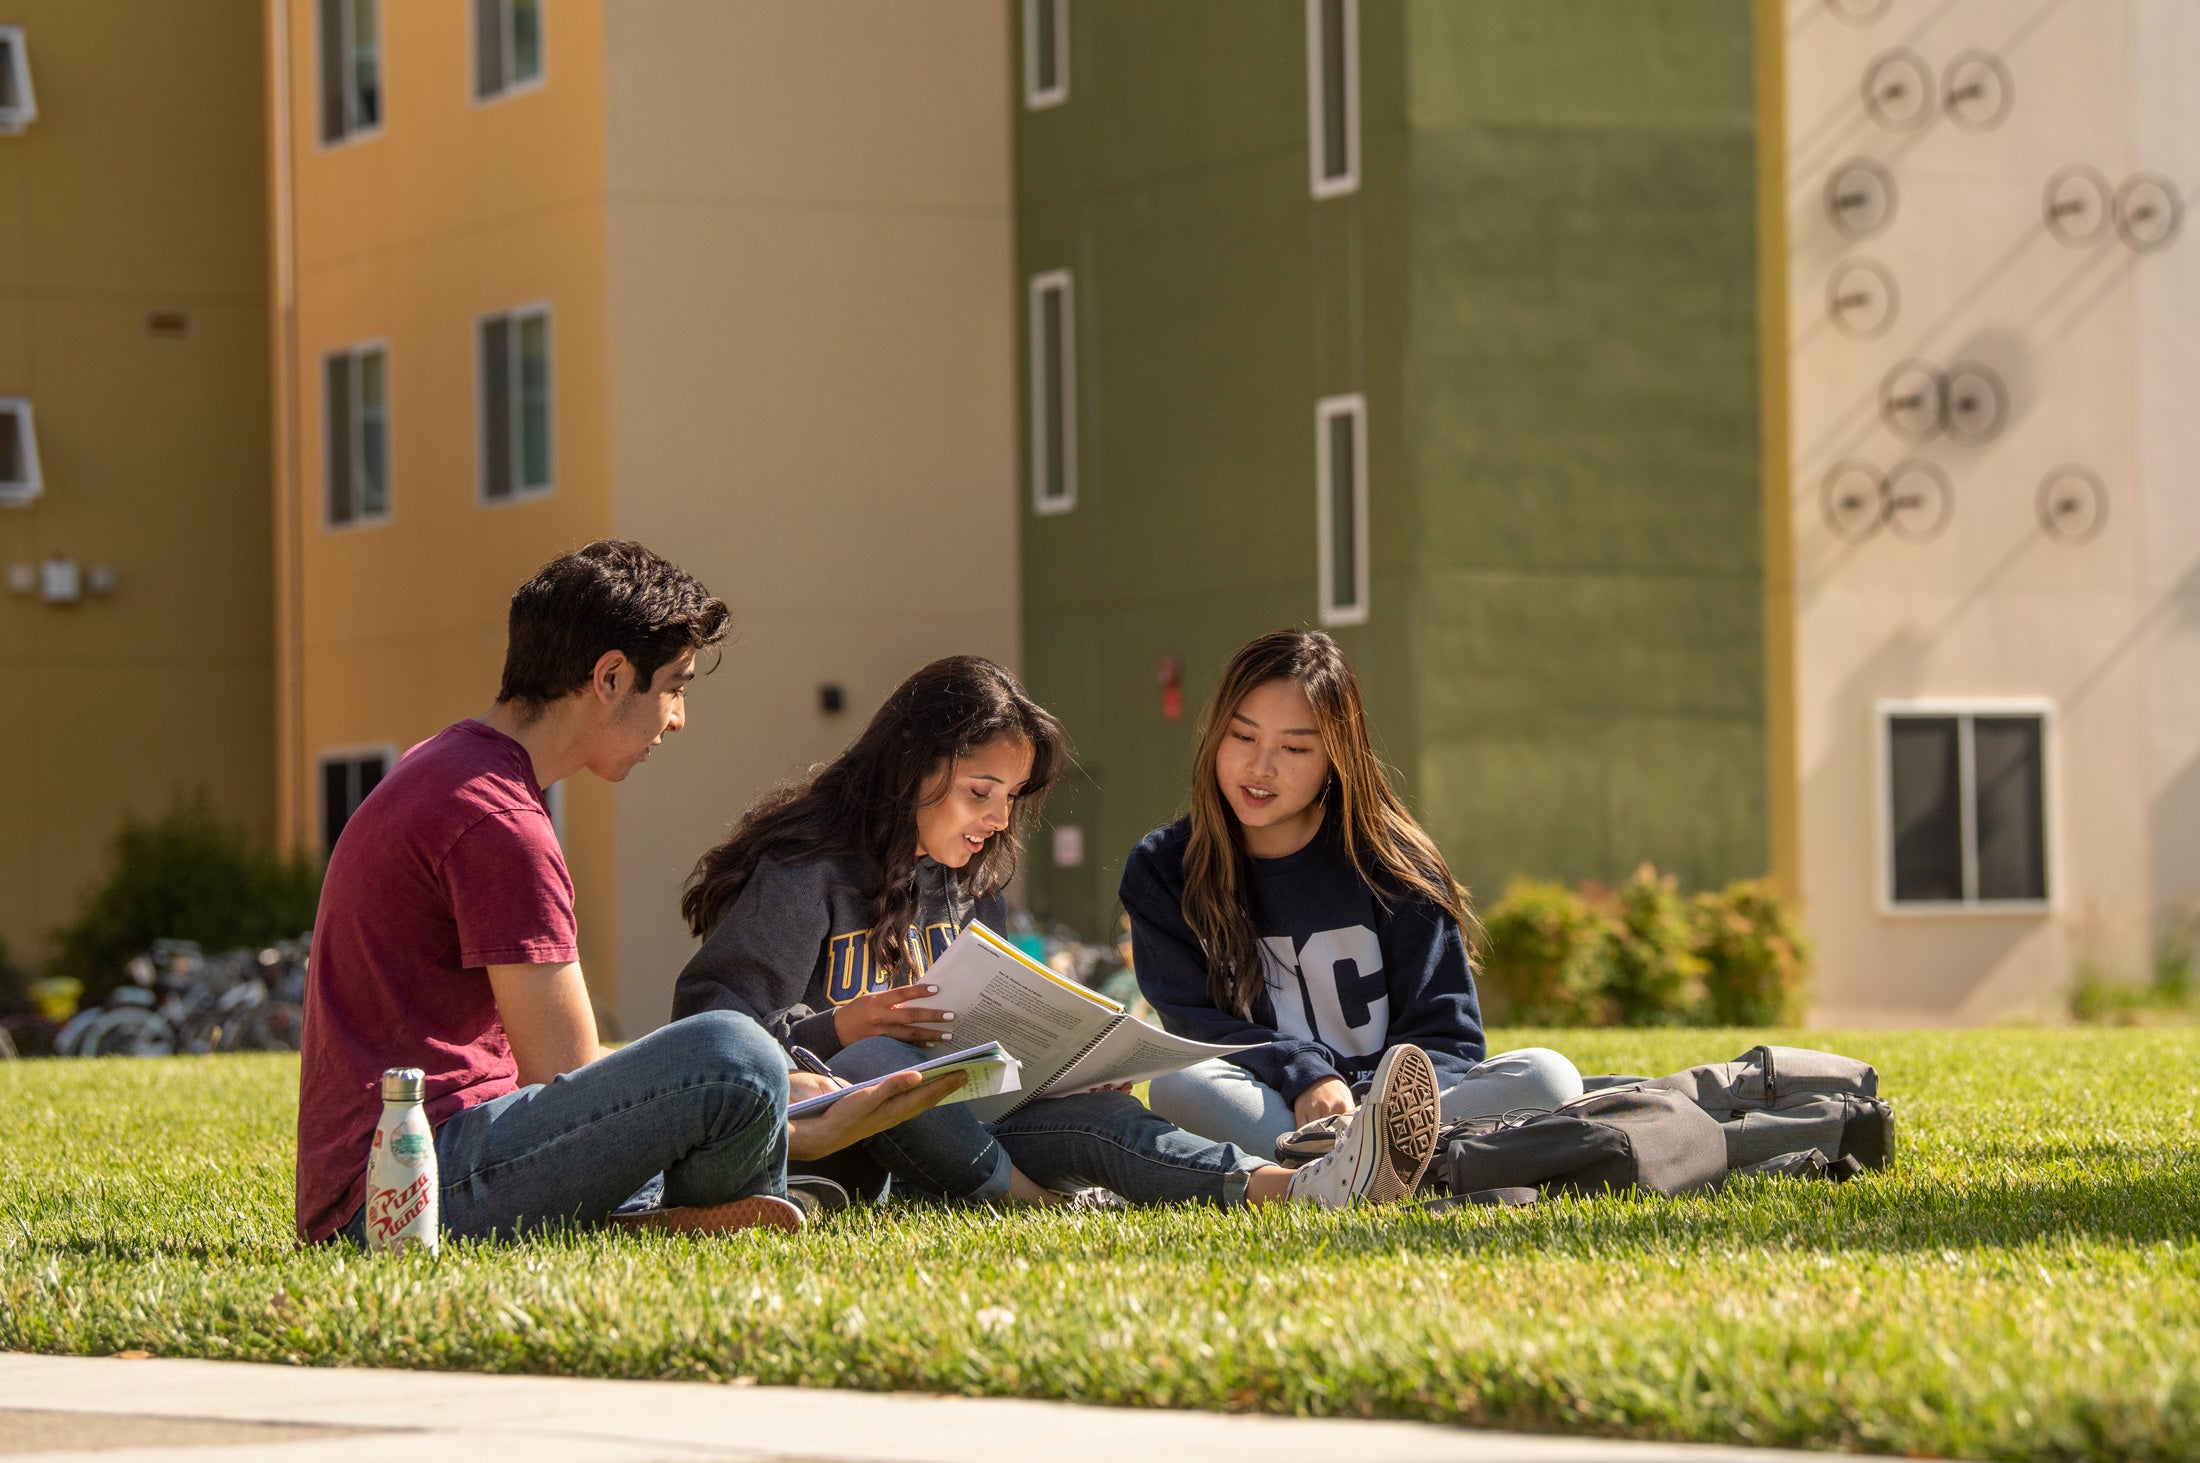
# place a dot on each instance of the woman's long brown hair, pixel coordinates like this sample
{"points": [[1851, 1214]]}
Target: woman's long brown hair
{"points": [[862, 805], [1388, 849]]}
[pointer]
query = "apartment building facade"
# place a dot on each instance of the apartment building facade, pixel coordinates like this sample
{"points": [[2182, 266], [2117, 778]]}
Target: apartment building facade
{"points": [[1741, 436], [554, 270], [134, 520]]}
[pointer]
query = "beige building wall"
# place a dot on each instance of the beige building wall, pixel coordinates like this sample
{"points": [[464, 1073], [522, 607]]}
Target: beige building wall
{"points": [[451, 210], [137, 190], [1994, 607], [811, 308]]}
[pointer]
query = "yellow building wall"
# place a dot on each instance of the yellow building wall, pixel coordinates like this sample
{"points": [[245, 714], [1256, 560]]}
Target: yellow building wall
{"points": [[450, 211], [139, 188], [812, 306]]}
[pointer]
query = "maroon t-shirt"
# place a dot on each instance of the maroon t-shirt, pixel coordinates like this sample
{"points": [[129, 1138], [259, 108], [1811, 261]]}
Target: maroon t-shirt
{"points": [[450, 865]]}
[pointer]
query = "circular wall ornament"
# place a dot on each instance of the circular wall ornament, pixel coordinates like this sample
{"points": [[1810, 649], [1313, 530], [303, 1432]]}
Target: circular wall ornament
{"points": [[1861, 299], [1911, 400], [1976, 90], [1919, 501], [2149, 212], [2077, 204], [2073, 504], [1898, 91], [1853, 500], [1974, 403], [1858, 12], [1860, 198]]}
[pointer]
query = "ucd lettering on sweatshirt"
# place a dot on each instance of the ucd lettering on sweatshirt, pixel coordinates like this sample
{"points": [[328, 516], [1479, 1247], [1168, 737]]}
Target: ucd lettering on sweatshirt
{"points": [[851, 970]]}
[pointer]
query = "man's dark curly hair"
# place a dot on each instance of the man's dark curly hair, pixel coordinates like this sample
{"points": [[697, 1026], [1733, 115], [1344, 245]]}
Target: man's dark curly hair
{"points": [[612, 595]]}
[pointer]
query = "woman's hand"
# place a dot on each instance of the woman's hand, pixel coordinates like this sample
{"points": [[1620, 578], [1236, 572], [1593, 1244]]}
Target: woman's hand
{"points": [[1324, 1098], [864, 1114], [881, 1013]]}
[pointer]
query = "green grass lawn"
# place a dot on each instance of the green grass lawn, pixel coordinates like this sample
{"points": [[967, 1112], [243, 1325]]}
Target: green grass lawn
{"points": [[2025, 1284]]}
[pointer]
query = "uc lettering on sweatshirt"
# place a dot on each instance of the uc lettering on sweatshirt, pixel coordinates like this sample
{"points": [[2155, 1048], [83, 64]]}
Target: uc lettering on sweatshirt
{"points": [[1348, 973]]}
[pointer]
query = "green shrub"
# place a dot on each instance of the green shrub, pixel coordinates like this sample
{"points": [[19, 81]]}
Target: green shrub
{"points": [[1655, 977], [1755, 954], [1543, 957], [15, 981], [186, 875]]}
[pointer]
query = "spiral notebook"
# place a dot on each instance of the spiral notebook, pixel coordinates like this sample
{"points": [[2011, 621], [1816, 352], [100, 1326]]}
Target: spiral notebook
{"points": [[987, 1071]]}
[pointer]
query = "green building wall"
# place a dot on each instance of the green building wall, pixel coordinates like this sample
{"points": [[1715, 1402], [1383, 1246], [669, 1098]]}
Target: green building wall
{"points": [[1544, 288]]}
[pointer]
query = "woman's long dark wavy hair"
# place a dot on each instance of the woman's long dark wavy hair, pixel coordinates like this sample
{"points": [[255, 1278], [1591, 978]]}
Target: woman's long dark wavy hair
{"points": [[862, 805], [1388, 849]]}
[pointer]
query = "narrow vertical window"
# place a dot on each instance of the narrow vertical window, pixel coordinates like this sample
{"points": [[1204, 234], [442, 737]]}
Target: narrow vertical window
{"points": [[357, 428], [19, 478], [507, 46], [1340, 494], [350, 39], [1966, 806], [1046, 53], [517, 405], [18, 105], [1053, 393], [1333, 94], [346, 779]]}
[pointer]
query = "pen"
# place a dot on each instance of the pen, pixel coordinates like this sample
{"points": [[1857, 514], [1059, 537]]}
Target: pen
{"points": [[808, 1061]]}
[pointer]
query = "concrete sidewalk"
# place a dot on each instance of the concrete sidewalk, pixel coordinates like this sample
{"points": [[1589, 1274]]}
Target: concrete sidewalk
{"points": [[118, 1411]]}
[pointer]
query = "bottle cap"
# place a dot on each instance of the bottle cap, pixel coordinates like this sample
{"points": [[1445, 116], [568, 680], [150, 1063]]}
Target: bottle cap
{"points": [[403, 1084]]}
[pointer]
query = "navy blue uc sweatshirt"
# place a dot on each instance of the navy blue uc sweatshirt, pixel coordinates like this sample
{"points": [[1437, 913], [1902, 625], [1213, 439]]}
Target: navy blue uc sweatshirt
{"points": [[1347, 976]]}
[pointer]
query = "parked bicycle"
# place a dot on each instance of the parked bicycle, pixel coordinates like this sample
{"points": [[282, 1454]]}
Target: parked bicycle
{"points": [[179, 999]]}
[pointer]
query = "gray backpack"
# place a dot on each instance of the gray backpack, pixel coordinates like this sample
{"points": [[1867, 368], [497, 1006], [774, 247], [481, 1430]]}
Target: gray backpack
{"points": [[1775, 1100]]}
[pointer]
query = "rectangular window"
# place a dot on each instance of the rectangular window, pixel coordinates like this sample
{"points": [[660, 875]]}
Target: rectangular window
{"points": [[507, 47], [1046, 53], [351, 68], [1340, 499], [19, 478], [346, 779], [357, 431], [1966, 804], [516, 445], [1053, 393], [18, 104], [1333, 94]]}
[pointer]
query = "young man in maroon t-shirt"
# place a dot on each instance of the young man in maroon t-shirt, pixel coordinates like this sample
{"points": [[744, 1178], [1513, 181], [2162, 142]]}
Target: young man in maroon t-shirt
{"points": [[445, 941]]}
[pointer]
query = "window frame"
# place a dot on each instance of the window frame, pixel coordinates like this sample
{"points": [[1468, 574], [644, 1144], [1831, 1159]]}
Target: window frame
{"points": [[1965, 710], [1323, 185], [32, 486], [16, 119], [510, 88], [1039, 285], [354, 752], [1037, 97], [1326, 410], [348, 70], [377, 345], [520, 493]]}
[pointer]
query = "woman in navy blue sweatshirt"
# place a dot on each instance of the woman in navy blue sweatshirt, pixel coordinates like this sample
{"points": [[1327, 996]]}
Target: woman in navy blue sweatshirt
{"points": [[1300, 905]]}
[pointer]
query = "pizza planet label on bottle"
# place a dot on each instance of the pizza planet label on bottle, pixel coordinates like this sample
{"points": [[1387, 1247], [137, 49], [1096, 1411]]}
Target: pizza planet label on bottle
{"points": [[401, 1176]]}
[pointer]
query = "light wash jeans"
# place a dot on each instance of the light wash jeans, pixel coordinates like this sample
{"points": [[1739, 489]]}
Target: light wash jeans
{"points": [[702, 1101], [1221, 1100], [1089, 1140]]}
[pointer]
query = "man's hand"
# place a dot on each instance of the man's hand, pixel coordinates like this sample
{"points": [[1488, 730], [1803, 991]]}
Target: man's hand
{"points": [[1324, 1098], [881, 1013], [853, 1119]]}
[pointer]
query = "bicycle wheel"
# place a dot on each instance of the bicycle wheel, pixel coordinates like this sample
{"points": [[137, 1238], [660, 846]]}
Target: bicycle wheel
{"points": [[277, 1026], [130, 1031]]}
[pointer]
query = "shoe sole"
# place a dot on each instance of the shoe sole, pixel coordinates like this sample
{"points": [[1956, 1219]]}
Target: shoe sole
{"points": [[761, 1211], [1404, 1092]]}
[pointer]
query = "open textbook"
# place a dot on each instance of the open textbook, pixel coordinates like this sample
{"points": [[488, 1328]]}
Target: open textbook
{"points": [[987, 1071], [1067, 1037]]}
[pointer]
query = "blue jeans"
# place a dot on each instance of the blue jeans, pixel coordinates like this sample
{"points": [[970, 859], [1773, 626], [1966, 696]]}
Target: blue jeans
{"points": [[1089, 1140], [1224, 1101], [702, 1101]]}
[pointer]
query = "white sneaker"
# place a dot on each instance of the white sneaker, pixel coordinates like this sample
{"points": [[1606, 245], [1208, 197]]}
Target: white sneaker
{"points": [[1384, 1149]]}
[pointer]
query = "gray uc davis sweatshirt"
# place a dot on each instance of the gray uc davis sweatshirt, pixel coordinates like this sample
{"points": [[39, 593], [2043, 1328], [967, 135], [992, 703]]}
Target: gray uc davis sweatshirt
{"points": [[797, 944]]}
